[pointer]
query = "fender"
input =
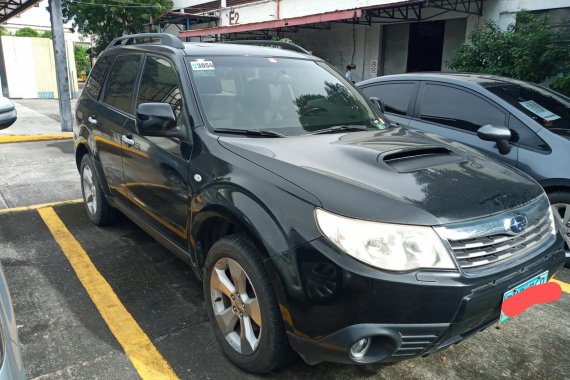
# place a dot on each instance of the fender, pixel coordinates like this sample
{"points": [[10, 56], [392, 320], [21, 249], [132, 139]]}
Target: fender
{"points": [[83, 140]]}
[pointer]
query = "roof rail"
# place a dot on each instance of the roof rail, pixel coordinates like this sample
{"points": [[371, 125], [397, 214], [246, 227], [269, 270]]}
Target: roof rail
{"points": [[164, 38], [270, 43]]}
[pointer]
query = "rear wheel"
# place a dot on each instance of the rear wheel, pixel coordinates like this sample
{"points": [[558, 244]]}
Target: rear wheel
{"points": [[242, 306], [98, 209], [560, 202]]}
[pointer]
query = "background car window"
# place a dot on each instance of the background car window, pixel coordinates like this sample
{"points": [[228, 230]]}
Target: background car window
{"points": [[458, 109], [95, 81], [159, 84], [396, 96], [525, 136], [119, 91]]}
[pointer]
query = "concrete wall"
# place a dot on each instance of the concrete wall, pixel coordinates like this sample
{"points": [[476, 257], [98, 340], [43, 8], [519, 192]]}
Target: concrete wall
{"points": [[454, 36], [30, 67], [396, 48], [337, 45], [503, 11]]}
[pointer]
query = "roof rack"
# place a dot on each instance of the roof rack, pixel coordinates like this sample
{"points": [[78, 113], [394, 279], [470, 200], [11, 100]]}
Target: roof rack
{"points": [[164, 39], [269, 43]]}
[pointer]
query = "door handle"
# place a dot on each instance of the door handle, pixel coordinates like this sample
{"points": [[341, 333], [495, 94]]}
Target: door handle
{"points": [[128, 140], [92, 120]]}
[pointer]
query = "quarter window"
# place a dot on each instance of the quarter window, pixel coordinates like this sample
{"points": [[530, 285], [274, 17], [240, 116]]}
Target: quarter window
{"points": [[523, 135], [159, 84], [396, 96], [95, 81], [120, 87], [458, 109]]}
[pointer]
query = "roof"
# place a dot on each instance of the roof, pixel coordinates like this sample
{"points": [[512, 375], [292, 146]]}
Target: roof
{"points": [[12, 8], [460, 78]]}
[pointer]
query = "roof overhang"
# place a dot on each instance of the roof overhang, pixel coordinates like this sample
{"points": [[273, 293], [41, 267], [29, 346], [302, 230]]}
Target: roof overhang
{"points": [[12, 8], [274, 24]]}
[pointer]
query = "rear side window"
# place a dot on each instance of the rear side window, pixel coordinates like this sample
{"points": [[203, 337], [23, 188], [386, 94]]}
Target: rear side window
{"points": [[458, 109], [95, 81], [119, 90], [396, 96]]}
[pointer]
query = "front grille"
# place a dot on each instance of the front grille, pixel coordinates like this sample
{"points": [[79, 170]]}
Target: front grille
{"points": [[487, 241]]}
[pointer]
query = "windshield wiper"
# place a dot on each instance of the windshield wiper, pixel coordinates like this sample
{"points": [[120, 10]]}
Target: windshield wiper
{"points": [[340, 128], [249, 132]]}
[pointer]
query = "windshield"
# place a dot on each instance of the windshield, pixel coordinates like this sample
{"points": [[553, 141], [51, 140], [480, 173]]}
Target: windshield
{"points": [[548, 108], [288, 96]]}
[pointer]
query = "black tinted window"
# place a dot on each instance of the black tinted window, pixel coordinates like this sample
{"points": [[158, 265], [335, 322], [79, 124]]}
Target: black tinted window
{"points": [[121, 82], [396, 96], [95, 81], [159, 84], [458, 109], [523, 135]]}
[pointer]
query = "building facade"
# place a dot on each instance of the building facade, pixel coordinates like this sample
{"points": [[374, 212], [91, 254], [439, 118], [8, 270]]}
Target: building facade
{"points": [[378, 36]]}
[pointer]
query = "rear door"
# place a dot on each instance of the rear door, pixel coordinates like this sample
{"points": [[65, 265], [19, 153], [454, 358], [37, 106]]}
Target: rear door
{"points": [[399, 98], [457, 113], [157, 168], [114, 117]]}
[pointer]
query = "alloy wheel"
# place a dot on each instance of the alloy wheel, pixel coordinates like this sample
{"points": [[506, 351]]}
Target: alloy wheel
{"points": [[236, 307], [89, 190], [561, 212]]}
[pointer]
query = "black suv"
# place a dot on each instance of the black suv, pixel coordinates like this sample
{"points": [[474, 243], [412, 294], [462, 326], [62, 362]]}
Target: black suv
{"points": [[313, 223]]}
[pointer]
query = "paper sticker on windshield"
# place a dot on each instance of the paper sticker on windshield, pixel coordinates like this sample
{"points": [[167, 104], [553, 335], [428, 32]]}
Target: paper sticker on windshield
{"points": [[201, 65], [539, 110]]}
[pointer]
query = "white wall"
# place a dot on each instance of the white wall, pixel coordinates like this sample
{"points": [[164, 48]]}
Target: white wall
{"points": [[503, 11]]}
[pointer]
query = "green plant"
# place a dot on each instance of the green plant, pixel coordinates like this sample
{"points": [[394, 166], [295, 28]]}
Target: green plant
{"points": [[525, 50], [106, 20], [3, 31], [82, 60], [46, 34], [26, 32]]}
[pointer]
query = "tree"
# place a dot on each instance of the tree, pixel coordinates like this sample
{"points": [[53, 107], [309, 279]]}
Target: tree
{"points": [[46, 34], [106, 20], [3, 31], [82, 61], [524, 51], [26, 32]]}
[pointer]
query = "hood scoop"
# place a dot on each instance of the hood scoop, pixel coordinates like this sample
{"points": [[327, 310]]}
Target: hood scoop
{"points": [[413, 159]]}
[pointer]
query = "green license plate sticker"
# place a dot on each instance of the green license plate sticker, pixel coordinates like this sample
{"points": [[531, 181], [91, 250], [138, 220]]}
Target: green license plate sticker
{"points": [[537, 280]]}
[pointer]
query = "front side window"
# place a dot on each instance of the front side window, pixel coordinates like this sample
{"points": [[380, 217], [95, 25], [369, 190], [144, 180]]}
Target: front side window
{"points": [[159, 84], [289, 96], [545, 107], [119, 90], [458, 109], [396, 96]]}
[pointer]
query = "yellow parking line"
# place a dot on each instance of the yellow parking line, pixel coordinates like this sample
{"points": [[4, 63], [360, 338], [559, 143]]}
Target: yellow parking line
{"points": [[28, 138], [35, 207], [148, 362], [565, 287]]}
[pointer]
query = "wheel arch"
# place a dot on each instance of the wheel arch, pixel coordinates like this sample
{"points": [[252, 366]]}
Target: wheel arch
{"points": [[81, 149], [555, 185]]}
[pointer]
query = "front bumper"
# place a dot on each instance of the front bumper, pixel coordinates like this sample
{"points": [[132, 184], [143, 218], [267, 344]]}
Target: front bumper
{"points": [[333, 301]]}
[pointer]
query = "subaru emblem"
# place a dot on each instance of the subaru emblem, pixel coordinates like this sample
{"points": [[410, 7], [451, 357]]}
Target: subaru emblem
{"points": [[518, 224]]}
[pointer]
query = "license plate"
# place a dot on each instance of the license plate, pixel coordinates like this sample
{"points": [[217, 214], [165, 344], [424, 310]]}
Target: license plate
{"points": [[537, 280]]}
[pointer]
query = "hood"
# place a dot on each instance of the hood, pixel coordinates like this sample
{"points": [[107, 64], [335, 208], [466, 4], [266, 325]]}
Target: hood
{"points": [[395, 175]]}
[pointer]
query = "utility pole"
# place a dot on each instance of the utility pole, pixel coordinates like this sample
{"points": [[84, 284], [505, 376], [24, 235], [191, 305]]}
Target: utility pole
{"points": [[59, 52]]}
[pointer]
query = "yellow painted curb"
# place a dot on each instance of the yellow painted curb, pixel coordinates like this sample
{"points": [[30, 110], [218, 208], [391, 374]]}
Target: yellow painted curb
{"points": [[28, 138], [36, 207]]}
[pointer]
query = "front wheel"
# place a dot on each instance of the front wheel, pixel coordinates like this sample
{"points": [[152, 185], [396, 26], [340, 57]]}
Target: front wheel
{"points": [[560, 202], [98, 209], [242, 306]]}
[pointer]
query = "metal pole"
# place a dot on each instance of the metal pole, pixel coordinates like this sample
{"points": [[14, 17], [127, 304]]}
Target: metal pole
{"points": [[59, 52]]}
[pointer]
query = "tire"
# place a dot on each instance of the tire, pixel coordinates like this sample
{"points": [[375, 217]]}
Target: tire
{"points": [[98, 209], [267, 348], [560, 201]]}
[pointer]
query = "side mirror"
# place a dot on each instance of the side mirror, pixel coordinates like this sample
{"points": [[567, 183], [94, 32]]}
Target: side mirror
{"points": [[156, 119], [379, 103], [8, 114], [500, 134]]}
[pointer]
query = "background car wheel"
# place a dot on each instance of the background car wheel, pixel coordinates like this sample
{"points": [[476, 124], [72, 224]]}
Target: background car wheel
{"points": [[98, 209], [560, 202], [243, 308]]}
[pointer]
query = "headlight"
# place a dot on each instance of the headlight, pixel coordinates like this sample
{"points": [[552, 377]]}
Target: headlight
{"points": [[394, 247]]}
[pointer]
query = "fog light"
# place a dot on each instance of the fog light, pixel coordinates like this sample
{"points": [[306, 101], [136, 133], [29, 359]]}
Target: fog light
{"points": [[360, 348]]}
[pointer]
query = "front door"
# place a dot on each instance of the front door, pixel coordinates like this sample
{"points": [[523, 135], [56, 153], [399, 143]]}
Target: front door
{"points": [[156, 168]]}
